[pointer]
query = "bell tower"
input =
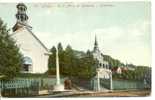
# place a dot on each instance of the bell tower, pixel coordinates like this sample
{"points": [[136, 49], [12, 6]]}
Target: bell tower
{"points": [[21, 16]]}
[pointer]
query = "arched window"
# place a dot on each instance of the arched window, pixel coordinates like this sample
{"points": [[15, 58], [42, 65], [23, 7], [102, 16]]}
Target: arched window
{"points": [[100, 64], [27, 63]]}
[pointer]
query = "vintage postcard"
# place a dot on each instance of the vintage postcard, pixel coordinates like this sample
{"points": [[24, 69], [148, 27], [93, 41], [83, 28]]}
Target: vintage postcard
{"points": [[75, 49]]}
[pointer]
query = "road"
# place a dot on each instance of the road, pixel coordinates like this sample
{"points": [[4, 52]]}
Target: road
{"points": [[131, 93]]}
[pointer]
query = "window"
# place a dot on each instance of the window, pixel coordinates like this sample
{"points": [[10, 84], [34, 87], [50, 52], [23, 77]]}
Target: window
{"points": [[100, 64], [27, 63], [25, 67]]}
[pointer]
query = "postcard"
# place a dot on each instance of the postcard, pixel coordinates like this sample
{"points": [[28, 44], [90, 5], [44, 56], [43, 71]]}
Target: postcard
{"points": [[75, 49]]}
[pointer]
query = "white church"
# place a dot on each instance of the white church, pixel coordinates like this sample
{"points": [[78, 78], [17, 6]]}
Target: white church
{"points": [[102, 68], [35, 54], [99, 57]]}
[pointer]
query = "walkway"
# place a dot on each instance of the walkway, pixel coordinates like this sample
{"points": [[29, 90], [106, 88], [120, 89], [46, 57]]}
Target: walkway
{"points": [[132, 93]]}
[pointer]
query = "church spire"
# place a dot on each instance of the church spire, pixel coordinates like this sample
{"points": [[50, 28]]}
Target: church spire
{"points": [[21, 17], [95, 44]]}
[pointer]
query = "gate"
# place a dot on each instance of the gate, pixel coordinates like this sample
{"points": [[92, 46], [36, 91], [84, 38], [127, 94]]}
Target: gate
{"points": [[103, 80]]}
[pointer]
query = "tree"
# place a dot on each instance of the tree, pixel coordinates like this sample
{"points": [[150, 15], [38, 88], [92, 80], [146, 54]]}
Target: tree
{"points": [[10, 58], [68, 61], [87, 66], [71, 65], [52, 61], [112, 62], [60, 48]]}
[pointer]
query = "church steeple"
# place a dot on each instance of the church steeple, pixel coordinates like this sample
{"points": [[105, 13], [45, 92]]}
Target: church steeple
{"points": [[96, 44], [21, 17]]}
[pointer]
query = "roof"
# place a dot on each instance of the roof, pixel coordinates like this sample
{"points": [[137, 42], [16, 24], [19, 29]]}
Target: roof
{"points": [[36, 39], [21, 4]]}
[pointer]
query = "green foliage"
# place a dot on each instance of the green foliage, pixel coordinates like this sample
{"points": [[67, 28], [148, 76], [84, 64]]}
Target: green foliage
{"points": [[112, 62], [87, 67], [71, 65], [51, 71], [10, 58], [51, 60], [79, 64], [30, 75], [139, 73]]}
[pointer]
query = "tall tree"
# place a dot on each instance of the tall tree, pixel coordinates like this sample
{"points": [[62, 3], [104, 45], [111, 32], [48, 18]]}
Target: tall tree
{"points": [[10, 58], [52, 61], [87, 65], [68, 61], [60, 48]]}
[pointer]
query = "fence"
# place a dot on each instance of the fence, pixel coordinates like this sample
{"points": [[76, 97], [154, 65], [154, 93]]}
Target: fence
{"points": [[105, 84], [127, 85], [19, 87], [26, 86], [31, 86]]}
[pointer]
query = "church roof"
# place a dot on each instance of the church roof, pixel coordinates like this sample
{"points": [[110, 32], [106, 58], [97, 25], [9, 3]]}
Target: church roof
{"points": [[38, 40], [21, 5], [35, 38]]}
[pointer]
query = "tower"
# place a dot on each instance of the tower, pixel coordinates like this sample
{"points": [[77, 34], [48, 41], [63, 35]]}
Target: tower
{"points": [[102, 69], [99, 56], [96, 44], [21, 17]]}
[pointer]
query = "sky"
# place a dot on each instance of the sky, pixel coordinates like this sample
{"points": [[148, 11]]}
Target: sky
{"points": [[123, 29]]}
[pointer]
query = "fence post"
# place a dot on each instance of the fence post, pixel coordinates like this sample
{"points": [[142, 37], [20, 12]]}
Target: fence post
{"points": [[111, 83], [98, 81]]}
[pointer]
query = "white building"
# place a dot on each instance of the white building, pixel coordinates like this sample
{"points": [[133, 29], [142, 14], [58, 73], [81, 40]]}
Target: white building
{"points": [[119, 70], [35, 54], [99, 57], [102, 69]]}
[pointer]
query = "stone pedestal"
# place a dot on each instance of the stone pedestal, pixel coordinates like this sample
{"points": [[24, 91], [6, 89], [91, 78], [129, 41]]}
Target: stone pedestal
{"points": [[59, 87]]}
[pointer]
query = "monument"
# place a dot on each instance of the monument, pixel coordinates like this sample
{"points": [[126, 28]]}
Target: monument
{"points": [[58, 87]]}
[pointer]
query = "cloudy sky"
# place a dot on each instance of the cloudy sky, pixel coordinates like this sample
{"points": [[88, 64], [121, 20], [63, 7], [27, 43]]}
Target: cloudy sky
{"points": [[122, 28]]}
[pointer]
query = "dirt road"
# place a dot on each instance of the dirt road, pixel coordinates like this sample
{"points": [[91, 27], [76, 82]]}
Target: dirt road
{"points": [[133, 93]]}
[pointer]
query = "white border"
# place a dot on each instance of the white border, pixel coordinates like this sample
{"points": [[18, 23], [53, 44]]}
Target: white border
{"points": [[152, 97], [42, 1]]}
